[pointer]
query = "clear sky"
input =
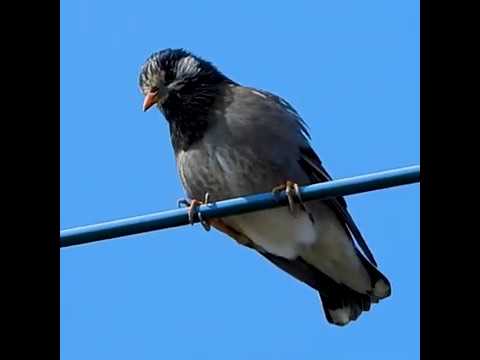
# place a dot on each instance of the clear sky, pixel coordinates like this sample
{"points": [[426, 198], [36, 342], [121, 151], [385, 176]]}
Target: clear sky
{"points": [[351, 69]]}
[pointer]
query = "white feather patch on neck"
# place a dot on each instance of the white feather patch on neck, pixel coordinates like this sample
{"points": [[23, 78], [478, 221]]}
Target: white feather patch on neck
{"points": [[187, 66]]}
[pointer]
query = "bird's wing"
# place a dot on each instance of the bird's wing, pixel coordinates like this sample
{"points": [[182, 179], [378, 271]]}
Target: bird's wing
{"points": [[275, 141], [313, 168], [312, 165]]}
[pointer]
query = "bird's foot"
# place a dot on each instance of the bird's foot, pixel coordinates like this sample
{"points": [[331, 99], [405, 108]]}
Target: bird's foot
{"points": [[216, 223], [193, 209], [293, 195]]}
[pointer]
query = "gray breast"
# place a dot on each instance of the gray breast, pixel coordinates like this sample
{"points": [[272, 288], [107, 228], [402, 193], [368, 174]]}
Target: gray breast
{"points": [[251, 146], [225, 171]]}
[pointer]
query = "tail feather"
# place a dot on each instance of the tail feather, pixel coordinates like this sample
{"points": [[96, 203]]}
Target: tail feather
{"points": [[341, 304], [344, 305], [380, 285]]}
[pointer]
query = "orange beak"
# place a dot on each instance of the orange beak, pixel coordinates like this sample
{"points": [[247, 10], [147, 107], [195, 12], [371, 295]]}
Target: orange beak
{"points": [[150, 99]]}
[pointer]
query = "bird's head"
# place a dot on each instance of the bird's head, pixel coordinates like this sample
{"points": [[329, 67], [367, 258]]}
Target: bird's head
{"points": [[178, 74]]}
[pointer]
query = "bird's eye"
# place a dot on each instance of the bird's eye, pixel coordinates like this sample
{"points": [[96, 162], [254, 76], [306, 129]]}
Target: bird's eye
{"points": [[154, 89]]}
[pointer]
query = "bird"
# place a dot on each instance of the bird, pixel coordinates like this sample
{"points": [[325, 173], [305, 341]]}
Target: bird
{"points": [[231, 140]]}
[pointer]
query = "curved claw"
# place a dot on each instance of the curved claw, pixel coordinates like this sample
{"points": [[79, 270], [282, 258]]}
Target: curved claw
{"points": [[296, 188], [204, 222], [292, 191], [193, 209], [289, 193], [183, 203]]}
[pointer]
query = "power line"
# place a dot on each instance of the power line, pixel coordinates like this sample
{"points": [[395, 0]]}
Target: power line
{"points": [[179, 217]]}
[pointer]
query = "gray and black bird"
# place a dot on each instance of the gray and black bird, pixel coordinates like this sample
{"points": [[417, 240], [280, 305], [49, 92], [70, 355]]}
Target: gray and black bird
{"points": [[231, 140]]}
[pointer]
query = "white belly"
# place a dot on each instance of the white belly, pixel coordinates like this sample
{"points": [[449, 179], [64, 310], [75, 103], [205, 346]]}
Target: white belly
{"points": [[326, 245], [277, 230]]}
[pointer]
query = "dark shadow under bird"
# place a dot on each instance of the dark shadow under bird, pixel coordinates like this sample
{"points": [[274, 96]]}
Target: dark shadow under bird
{"points": [[229, 141]]}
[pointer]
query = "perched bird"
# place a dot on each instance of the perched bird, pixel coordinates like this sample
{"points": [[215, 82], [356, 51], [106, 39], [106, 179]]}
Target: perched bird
{"points": [[229, 141]]}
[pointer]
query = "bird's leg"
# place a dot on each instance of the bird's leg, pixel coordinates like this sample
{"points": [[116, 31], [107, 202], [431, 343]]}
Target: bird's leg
{"points": [[193, 209], [293, 194], [216, 223]]}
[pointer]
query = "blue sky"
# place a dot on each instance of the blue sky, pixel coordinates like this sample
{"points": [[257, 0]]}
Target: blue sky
{"points": [[350, 68]]}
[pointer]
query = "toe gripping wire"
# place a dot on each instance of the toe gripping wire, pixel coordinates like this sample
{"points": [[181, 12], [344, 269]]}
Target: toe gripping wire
{"points": [[193, 208], [292, 191]]}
